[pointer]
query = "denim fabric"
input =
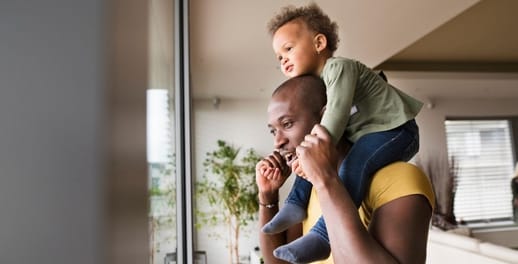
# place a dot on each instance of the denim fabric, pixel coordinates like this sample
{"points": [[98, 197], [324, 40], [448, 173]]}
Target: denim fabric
{"points": [[300, 193], [369, 154]]}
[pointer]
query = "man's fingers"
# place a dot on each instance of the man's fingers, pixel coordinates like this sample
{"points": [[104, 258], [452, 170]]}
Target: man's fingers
{"points": [[277, 161], [273, 160]]}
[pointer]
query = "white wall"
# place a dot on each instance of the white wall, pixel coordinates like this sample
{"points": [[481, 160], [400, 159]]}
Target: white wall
{"points": [[51, 109]]}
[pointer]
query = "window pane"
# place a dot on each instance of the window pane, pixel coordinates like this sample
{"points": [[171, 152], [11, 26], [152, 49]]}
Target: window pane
{"points": [[160, 134], [483, 152]]}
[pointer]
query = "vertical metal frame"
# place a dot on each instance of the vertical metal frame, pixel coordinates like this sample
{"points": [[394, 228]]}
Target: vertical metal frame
{"points": [[185, 241]]}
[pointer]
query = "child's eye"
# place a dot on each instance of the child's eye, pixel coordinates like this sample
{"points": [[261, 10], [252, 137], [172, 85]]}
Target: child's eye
{"points": [[279, 58]]}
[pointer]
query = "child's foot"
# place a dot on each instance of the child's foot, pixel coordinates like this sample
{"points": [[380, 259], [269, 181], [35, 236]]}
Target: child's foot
{"points": [[308, 248], [289, 215]]}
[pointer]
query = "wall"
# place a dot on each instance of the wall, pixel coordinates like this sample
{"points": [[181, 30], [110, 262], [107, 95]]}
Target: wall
{"points": [[51, 115]]}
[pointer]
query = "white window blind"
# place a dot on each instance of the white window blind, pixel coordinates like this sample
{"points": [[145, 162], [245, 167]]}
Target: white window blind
{"points": [[483, 154]]}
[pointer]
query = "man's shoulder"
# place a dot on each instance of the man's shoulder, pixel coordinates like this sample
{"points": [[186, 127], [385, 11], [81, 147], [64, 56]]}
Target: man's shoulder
{"points": [[401, 168], [397, 180]]}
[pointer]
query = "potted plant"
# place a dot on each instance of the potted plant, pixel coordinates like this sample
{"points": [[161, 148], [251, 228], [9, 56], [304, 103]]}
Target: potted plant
{"points": [[230, 192], [162, 210]]}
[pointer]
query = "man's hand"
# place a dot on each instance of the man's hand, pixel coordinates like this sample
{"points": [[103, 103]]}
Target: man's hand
{"points": [[271, 173]]}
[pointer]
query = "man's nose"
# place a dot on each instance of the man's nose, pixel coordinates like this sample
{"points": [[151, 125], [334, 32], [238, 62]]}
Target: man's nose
{"points": [[280, 140]]}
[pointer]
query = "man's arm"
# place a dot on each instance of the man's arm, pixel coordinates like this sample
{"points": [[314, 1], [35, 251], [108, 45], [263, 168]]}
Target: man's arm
{"points": [[401, 227], [398, 231], [397, 234], [271, 173], [269, 242]]}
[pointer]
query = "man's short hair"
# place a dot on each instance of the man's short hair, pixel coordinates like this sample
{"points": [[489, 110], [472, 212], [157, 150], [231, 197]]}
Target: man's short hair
{"points": [[310, 90]]}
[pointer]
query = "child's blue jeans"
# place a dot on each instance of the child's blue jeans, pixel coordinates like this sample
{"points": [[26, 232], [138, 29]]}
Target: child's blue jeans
{"points": [[370, 153]]}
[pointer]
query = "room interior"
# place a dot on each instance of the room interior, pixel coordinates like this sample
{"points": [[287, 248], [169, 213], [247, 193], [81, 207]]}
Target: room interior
{"points": [[457, 57], [92, 73]]}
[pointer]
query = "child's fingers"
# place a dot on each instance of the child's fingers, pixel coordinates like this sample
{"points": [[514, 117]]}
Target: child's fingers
{"points": [[295, 165], [320, 132], [300, 172], [297, 168]]}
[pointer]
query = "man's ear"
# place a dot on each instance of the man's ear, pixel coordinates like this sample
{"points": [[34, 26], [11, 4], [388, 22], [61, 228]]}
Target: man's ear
{"points": [[320, 41]]}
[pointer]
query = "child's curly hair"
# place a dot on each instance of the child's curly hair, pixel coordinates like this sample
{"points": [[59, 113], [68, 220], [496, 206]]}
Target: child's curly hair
{"points": [[314, 18]]}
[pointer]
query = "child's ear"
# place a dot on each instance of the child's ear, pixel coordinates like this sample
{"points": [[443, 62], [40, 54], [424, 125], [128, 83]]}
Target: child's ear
{"points": [[320, 41]]}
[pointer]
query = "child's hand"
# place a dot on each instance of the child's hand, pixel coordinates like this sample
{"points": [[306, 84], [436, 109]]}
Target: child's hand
{"points": [[297, 169], [317, 156]]}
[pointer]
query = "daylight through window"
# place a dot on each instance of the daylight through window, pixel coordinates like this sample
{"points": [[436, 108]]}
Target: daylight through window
{"points": [[482, 150]]}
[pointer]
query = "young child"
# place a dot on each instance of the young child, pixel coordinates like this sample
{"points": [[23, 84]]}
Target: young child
{"points": [[376, 117]]}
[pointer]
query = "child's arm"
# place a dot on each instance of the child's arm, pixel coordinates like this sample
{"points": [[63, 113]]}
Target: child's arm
{"points": [[340, 78]]}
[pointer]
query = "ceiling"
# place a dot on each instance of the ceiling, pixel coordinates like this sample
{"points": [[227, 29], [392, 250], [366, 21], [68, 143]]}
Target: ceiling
{"points": [[482, 38], [231, 53]]}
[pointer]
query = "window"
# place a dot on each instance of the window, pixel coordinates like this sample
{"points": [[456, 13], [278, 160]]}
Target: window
{"points": [[482, 150], [162, 172]]}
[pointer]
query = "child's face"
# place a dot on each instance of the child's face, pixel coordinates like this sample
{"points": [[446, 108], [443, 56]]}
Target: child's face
{"points": [[295, 48]]}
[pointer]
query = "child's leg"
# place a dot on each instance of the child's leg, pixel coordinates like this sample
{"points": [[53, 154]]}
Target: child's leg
{"points": [[294, 209], [369, 154], [306, 249], [372, 152]]}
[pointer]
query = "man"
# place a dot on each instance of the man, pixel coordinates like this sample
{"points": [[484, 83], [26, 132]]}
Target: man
{"points": [[392, 224]]}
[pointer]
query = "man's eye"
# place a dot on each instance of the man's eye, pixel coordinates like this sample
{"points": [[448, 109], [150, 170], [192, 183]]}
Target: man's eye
{"points": [[287, 124], [272, 131]]}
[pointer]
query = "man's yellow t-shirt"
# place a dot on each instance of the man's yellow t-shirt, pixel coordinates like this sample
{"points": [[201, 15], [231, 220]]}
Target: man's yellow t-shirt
{"points": [[394, 181]]}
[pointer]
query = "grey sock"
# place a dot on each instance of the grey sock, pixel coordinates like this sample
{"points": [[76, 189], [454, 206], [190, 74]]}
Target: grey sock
{"points": [[308, 248], [287, 216]]}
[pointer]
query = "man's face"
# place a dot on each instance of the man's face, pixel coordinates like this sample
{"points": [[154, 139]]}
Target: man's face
{"points": [[289, 121]]}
